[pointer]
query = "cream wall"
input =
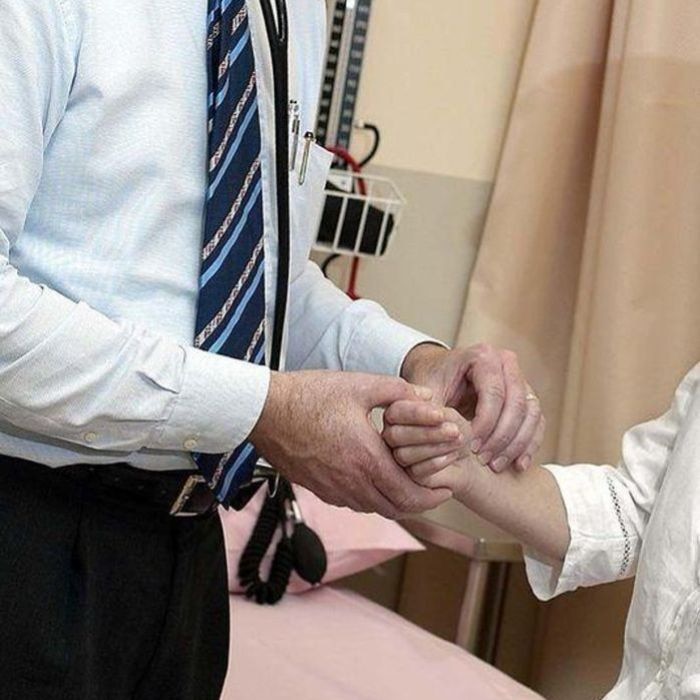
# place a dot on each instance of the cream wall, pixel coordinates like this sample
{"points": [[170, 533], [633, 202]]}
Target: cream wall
{"points": [[440, 80], [440, 86]]}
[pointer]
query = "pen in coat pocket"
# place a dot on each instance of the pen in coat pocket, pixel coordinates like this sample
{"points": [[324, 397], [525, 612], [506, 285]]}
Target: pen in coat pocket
{"points": [[296, 125], [309, 139]]}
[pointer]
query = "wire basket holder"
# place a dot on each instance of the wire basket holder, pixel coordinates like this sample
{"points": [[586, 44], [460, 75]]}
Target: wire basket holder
{"points": [[361, 215]]}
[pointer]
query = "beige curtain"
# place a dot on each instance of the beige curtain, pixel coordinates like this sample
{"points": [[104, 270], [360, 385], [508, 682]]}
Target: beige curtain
{"points": [[590, 261]]}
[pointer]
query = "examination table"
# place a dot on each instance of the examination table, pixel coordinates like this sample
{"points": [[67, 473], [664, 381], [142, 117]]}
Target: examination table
{"points": [[331, 644]]}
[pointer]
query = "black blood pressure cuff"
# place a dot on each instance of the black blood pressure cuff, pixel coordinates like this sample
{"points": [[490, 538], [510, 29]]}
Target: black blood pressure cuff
{"points": [[371, 234]]}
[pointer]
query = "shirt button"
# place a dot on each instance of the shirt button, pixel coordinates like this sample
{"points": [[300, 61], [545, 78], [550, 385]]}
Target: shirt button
{"points": [[90, 437], [190, 444]]}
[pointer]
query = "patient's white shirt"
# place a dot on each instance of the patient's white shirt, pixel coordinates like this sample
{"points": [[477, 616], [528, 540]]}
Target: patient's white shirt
{"points": [[642, 517]]}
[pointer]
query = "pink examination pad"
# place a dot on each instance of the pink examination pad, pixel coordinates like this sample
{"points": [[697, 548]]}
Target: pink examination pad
{"points": [[331, 644]]}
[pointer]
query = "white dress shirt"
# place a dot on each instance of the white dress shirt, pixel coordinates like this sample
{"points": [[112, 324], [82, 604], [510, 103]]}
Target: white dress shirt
{"points": [[642, 517], [103, 147]]}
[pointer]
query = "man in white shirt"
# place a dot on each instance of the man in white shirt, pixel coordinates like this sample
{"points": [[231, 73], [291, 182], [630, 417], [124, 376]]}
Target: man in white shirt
{"points": [[106, 590], [588, 524]]}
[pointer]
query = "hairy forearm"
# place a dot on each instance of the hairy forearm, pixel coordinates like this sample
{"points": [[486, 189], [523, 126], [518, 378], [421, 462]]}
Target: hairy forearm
{"points": [[528, 505]]}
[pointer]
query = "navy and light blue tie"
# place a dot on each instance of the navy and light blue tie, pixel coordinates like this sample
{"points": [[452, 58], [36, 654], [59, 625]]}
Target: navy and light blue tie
{"points": [[231, 308]]}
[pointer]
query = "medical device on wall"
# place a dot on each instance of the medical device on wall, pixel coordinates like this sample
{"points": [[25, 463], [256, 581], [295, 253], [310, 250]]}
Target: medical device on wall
{"points": [[347, 36], [362, 212]]}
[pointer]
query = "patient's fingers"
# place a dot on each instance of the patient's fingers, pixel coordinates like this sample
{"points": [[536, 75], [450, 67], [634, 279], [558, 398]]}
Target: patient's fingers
{"points": [[414, 413], [413, 454], [404, 435]]}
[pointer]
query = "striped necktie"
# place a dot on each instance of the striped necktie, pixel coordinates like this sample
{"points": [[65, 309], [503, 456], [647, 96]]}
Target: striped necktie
{"points": [[231, 308]]}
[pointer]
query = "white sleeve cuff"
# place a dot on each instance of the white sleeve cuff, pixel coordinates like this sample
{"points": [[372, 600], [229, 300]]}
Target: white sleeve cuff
{"points": [[544, 578], [380, 344], [601, 545], [219, 405]]}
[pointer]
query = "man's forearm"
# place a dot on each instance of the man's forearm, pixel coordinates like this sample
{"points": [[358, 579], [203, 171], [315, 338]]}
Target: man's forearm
{"points": [[528, 505]]}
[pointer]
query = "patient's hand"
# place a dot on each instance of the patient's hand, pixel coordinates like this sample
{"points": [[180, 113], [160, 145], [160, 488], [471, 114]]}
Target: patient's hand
{"points": [[526, 503], [435, 453]]}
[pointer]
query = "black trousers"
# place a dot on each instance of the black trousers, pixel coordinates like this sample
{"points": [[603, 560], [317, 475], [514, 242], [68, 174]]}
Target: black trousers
{"points": [[105, 598]]}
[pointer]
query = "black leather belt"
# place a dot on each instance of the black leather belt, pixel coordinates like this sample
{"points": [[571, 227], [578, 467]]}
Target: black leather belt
{"points": [[180, 494], [177, 493]]}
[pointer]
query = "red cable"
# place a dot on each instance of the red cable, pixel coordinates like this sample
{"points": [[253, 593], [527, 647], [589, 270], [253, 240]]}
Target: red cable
{"points": [[345, 156], [351, 291]]}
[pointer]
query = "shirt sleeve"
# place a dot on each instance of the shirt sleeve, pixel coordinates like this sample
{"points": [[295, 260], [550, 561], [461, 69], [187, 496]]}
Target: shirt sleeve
{"points": [[608, 507], [66, 370], [329, 331]]}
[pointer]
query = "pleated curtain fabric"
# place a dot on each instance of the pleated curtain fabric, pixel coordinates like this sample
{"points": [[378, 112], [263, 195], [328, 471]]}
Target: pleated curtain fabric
{"points": [[590, 258]]}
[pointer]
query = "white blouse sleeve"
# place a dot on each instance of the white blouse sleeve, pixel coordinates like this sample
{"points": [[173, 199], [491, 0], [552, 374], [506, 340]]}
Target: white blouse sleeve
{"points": [[608, 508]]}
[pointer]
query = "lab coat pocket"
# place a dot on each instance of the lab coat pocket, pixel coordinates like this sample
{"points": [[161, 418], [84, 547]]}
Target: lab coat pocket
{"points": [[307, 183]]}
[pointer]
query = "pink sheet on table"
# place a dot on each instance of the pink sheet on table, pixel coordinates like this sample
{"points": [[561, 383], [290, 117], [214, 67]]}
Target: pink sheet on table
{"points": [[334, 645]]}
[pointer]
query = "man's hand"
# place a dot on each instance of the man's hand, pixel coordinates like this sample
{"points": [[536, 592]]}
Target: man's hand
{"points": [[316, 430], [486, 386]]}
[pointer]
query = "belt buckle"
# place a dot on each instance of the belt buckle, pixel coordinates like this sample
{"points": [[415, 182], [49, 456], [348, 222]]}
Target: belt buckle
{"points": [[183, 497]]}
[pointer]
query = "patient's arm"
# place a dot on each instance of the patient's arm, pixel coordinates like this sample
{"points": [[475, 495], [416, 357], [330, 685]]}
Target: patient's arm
{"points": [[605, 508], [528, 504]]}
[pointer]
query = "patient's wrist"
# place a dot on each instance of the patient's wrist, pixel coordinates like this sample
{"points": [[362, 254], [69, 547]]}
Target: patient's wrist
{"points": [[470, 480]]}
